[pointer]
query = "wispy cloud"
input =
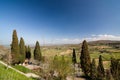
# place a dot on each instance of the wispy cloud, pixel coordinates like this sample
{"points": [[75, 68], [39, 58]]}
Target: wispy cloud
{"points": [[91, 38], [67, 41]]}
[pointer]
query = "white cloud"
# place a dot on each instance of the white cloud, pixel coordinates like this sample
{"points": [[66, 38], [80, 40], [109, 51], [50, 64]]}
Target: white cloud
{"points": [[91, 38], [67, 41], [103, 37]]}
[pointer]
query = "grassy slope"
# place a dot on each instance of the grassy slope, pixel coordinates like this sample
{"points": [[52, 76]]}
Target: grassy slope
{"points": [[9, 74], [22, 68]]}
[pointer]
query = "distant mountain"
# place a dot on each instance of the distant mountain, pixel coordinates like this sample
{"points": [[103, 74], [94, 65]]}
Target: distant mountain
{"points": [[104, 42]]}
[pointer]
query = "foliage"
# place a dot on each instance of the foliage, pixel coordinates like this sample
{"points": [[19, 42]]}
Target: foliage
{"points": [[61, 66], [85, 58], [74, 57], [22, 50], [93, 70], [28, 52], [100, 69], [14, 48], [37, 52]]}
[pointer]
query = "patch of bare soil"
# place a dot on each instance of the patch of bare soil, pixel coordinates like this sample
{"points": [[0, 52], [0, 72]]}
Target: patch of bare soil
{"points": [[71, 78], [66, 52]]}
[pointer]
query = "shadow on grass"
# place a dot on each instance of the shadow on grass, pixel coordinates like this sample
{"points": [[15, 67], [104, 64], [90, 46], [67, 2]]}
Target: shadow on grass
{"points": [[85, 77], [36, 78]]}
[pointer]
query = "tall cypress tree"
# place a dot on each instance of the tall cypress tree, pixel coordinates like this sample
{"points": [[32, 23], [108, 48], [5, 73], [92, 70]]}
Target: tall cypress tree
{"points": [[85, 58], [28, 52], [74, 57], [100, 69], [37, 52], [93, 71], [22, 50], [14, 48]]}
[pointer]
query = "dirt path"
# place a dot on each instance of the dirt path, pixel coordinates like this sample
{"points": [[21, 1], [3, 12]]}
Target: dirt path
{"points": [[70, 78], [27, 75]]}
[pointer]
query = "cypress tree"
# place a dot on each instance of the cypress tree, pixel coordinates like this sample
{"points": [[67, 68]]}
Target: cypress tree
{"points": [[85, 59], [37, 52], [25, 49], [93, 71], [28, 52], [100, 69], [115, 68], [108, 75], [22, 50], [74, 57], [119, 71], [14, 48]]}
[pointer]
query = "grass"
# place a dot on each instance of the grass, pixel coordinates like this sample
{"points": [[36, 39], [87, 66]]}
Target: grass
{"points": [[22, 68], [106, 56], [9, 74]]}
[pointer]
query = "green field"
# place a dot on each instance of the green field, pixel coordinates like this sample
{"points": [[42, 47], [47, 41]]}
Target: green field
{"points": [[106, 51]]}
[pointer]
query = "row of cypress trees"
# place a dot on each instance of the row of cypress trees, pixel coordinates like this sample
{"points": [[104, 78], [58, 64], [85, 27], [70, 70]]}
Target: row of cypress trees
{"points": [[20, 52], [94, 72], [99, 73]]}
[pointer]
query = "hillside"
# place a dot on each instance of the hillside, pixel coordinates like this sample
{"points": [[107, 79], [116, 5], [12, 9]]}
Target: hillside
{"points": [[103, 42], [4, 52]]}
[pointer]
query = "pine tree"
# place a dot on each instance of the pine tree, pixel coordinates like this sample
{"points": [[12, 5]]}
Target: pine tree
{"points": [[85, 59], [74, 57], [28, 53], [37, 52], [22, 50], [100, 69], [14, 48], [93, 71]]}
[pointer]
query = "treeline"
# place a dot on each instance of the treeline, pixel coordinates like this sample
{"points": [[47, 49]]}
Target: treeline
{"points": [[93, 72], [20, 52]]}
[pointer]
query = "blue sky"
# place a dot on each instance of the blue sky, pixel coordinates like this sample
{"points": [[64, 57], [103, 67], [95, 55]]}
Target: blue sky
{"points": [[59, 21]]}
